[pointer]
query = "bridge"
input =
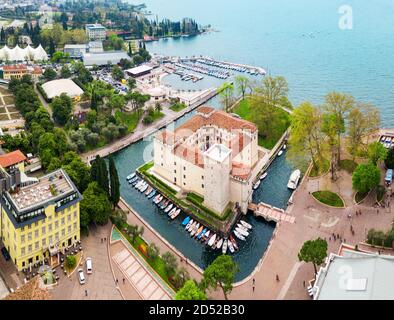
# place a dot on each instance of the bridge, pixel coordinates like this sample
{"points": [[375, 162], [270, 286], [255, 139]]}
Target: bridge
{"points": [[270, 213]]}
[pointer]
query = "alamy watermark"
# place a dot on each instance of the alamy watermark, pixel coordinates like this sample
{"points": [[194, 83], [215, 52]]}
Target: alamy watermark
{"points": [[346, 17]]}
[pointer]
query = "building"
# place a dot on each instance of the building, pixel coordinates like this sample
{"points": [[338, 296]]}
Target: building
{"points": [[78, 50], [139, 71], [355, 275], [104, 58], [23, 54], [19, 70], [213, 155], [96, 31], [55, 88], [39, 220]]}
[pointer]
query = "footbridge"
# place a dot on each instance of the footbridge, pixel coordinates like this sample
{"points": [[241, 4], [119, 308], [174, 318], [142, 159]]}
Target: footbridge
{"points": [[270, 213]]}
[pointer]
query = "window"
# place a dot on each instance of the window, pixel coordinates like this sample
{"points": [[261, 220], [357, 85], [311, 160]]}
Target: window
{"points": [[63, 232], [63, 221], [29, 236], [75, 214], [202, 177], [69, 218], [50, 239], [184, 168], [30, 248], [43, 230], [75, 225], [50, 227], [56, 224], [22, 238], [184, 176], [174, 171], [44, 241], [23, 229], [202, 186], [23, 251], [36, 233], [37, 245], [69, 229], [36, 224]]}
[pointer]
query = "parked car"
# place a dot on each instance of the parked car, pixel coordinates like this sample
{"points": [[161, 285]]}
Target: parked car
{"points": [[81, 276], [89, 265]]}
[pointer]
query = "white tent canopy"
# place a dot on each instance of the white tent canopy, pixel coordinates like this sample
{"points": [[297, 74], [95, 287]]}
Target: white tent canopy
{"points": [[23, 54]]}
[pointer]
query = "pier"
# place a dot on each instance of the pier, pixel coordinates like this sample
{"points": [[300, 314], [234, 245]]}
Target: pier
{"points": [[270, 213]]}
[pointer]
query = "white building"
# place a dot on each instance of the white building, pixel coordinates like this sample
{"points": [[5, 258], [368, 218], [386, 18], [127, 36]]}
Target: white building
{"points": [[96, 31], [56, 87], [213, 155]]}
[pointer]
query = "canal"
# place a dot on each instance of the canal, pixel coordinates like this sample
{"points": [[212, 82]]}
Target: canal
{"points": [[251, 251]]}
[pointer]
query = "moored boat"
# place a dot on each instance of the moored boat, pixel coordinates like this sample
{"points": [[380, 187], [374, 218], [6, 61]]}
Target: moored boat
{"points": [[234, 242], [242, 231], [186, 221], [175, 214], [219, 244], [294, 179], [212, 240], [189, 224], [280, 153], [201, 235], [131, 176], [256, 185], [224, 247], [171, 211], [150, 189], [239, 236], [152, 194], [206, 235], [168, 208], [263, 176], [230, 246], [194, 230], [245, 224], [199, 231]]}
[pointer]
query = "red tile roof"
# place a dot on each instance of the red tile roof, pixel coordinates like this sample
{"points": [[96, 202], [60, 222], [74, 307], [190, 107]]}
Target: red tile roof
{"points": [[11, 158], [15, 67], [205, 109], [241, 171]]}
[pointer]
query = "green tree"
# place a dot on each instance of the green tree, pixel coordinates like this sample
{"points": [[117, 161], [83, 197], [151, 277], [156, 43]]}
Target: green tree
{"points": [[170, 263], [71, 261], [314, 251], [365, 177], [49, 74], [62, 107], [115, 185], [153, 251], [95, 205], [376, 152], [242, 84], [65, 72], [389, 161], [190, 291], [226, 94], [117, 73], [132, 83], [134, 232], [330, 125], [220, 273], [99, 173]]}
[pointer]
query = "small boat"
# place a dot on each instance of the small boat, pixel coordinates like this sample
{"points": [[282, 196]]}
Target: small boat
{"points": [[240, 226], [175, 214], [206, 235], [138, 184], [150, 189], [245, 224], [230, 246], [280, 153], [199, 231], [294, 179], [168, 208], [263, 176], [194, 230], [155, 199], [135, 183], [186, 221], [256, 185], [158, 199], [213, 246], [202, 234], [224, 247], [189, 224], [131, 176], [143, 189], [133, 180], [234, 242], [219, 244], [284, 147], [242, 231], [239, 236], [152, 194], [191, 227], [212, 240], [172, 211]]}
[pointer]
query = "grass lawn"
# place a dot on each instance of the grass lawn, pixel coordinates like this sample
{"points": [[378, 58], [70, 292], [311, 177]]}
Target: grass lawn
{"points": [[348, 165], [178, 107], [243, 110], [323, 167], [4, 91], [9, 100], [329, 198], [156, 115], [130, 119]]}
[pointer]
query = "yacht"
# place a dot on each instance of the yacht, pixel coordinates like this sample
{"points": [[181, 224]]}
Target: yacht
{"points": [[263, 176], [280, 153], [245, 224], [294, 179], [256, 185]]}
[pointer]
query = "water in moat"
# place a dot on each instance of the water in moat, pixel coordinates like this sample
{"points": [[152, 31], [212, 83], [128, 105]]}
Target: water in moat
{"points": [[250, 251]]}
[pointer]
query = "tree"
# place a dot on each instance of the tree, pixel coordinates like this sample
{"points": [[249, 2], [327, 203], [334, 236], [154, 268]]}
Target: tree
{"points": [[114, 179], [241, 83], [226, 94], [190, 291], [49, 74], [330, 125], [365, 177], [99, 173], [306, 135], [131, 82], [153, 251], [62, 107], [117, 73], [95, 205], [65, 72], [376, 152], [134, 232], [170, 263], [71, 261], [220, 273], [314, 251], [116, 101], [340, 105], [180, 277]]}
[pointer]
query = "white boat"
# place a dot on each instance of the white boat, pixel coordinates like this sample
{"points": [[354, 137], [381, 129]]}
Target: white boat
{"points": [[194, 230], [212, 240], [263, 175], [284, 147], [206, 235], [239, 236], [172, 211], [240, 226], [242, 231], [143, 189], [175, 214], [156, 198], [256, 185], [189, 224], [219, 244], [294, 178], [280, 153], [130, 176], [230, 246], [224, 247], [159, 199], [168, 208], [245, 224], [138, 184]]}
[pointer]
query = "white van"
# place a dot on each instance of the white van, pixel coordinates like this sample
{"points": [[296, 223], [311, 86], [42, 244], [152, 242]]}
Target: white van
{"points": [[89, 265], [81, 276]]}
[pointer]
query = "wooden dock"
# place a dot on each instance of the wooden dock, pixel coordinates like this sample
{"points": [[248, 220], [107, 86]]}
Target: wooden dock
{"points": [[270, 213]]}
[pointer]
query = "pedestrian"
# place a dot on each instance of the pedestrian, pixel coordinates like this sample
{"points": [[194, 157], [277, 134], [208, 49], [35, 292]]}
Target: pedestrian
{"points": [[329, 238], [377, 211], [304, 283], [254, 281], [123, 280], [277, 278], [86, 293], [101, 240], [116, 281]]}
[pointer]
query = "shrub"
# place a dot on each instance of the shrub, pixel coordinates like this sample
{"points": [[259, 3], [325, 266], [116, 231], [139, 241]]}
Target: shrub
{"points": [[71, 261]]}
